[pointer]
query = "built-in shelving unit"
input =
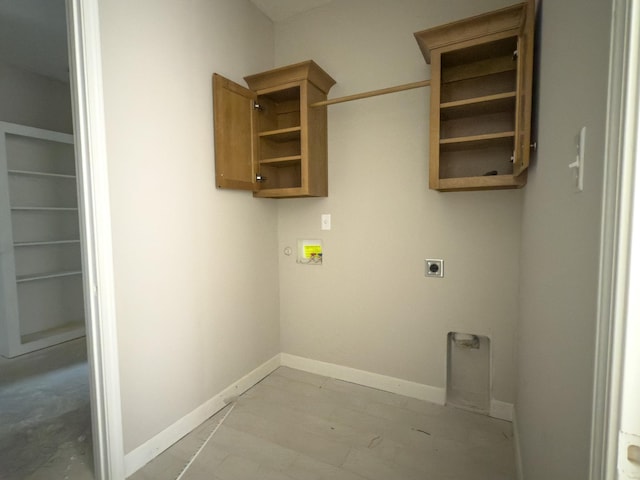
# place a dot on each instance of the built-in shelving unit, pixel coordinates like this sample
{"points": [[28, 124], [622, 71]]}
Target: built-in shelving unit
{"points": [[40, 259]]}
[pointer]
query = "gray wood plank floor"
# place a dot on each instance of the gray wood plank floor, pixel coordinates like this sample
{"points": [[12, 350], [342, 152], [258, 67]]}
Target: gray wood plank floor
{"points": [[298, 426]]}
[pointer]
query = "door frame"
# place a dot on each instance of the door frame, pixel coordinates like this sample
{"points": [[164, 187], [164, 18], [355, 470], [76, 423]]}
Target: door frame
{"points": [[85, 65], [618, 196]]}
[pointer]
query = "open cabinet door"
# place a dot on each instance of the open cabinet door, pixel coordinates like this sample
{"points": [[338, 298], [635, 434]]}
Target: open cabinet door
{"points": [[522, 149], [234, 117]]}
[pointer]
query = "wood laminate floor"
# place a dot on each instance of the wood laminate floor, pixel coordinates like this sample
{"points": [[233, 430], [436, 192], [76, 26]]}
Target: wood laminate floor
{"points": [[299, 426]]}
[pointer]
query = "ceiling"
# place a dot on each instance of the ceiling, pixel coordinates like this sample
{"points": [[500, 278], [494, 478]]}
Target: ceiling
{"points": [[33, 33], [33, 36], [278, 10]]}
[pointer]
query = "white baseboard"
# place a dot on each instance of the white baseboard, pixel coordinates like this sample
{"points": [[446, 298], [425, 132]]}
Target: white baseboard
{"points": [[516, 447], [368, 379], [501, 410], [146, 452]]}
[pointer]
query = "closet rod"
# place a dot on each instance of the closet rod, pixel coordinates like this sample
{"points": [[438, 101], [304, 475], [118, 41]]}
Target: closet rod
{"points": [[373, 93]]}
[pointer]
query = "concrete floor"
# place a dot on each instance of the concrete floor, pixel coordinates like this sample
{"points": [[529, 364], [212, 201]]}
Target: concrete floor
{"points": [[45, 419], [299, 426]]}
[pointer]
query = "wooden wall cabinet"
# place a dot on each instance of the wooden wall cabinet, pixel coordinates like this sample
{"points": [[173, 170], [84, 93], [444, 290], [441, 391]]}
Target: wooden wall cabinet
{"points": [[480, 112], [267, 138]]}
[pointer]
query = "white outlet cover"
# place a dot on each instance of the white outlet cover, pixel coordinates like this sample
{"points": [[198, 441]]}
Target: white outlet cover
{"points": [[325, 221]]}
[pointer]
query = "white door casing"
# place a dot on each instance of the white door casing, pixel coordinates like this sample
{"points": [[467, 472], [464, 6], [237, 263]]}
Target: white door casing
{"points": [[95, 226]]}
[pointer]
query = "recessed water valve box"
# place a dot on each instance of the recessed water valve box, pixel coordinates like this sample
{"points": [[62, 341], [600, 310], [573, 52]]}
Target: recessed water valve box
{"points": [[310, 252], [434, 268]]}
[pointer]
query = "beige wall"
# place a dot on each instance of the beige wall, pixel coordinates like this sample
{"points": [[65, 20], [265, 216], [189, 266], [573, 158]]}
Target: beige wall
{"points": [[27, 98], [369, 306], [196, 276], [561, 231]]}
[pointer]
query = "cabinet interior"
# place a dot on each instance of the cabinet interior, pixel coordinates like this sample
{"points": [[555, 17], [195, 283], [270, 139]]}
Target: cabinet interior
{"points": [[279, 132], [477, 119]]}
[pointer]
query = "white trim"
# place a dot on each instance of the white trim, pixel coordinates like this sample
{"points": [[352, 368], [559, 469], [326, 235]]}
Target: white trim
{"points": [[621, 138], [501, 410], [93, 194], [146, 452], [437, 395], [517, 449], [628, 463], [381, 382]]}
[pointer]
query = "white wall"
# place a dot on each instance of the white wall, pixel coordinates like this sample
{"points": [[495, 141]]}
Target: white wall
{"points": [[196, 273], [27, 98], [560, 248], [369, 306]]}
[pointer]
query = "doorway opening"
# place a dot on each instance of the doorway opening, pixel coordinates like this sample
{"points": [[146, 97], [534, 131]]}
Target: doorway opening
{"points": [[77, 22]]}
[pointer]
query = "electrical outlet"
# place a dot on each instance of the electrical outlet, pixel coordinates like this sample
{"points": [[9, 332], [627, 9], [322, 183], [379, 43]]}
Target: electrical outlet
{"points": [[434, 268]]}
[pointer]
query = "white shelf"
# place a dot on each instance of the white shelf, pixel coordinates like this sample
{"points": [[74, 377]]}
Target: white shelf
{"points": [[39, 174], [52, 336], [39, 244], [45, 209], [46, 276]]}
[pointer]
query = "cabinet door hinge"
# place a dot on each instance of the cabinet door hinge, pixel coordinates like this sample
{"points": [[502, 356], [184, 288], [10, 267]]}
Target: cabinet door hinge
{"points": [[260, 178], [257, 106], [515, 54]]}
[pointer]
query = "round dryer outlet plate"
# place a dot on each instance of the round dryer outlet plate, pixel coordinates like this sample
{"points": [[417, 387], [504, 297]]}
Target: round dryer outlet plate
{"points": [[434, 268]]}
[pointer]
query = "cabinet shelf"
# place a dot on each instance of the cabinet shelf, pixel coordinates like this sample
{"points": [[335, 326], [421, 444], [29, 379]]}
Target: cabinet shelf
{"points": [[282, 134], [480, 69], [46, 276], [488, 104], [476, 141], [282, 161], [45, 243], [496, 182], [39, 174]]}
